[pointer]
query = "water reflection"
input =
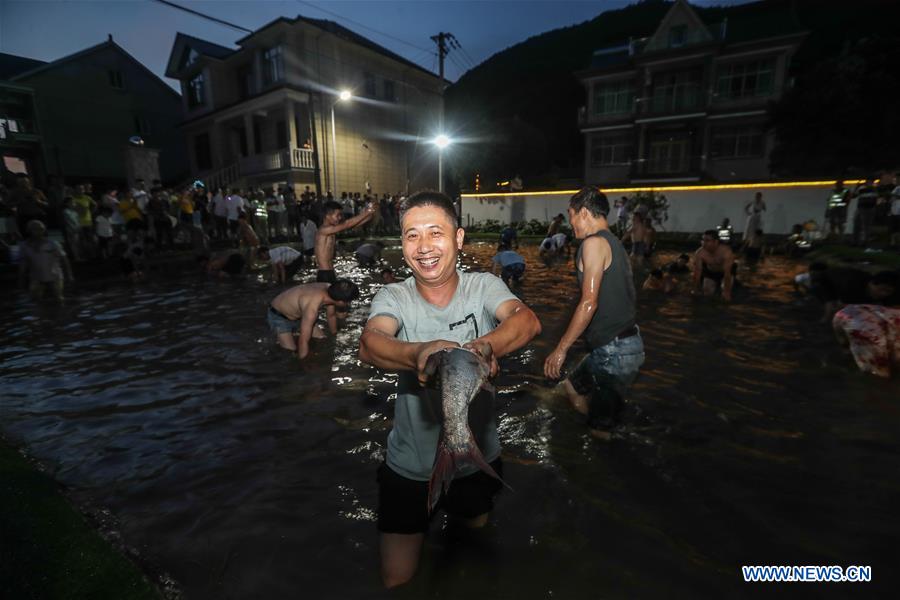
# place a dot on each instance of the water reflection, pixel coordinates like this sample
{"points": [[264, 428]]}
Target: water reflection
{"points": [[242, 473]]}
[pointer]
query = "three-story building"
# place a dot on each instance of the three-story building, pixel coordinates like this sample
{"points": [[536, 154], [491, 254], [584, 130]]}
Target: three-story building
{"points": [[687, 104], [270, 112]]}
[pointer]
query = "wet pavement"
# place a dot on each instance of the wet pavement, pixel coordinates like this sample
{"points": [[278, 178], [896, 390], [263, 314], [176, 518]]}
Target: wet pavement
{"points": [[227, 465]]}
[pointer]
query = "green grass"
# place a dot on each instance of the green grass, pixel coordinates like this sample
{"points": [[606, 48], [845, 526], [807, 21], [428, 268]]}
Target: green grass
{"points": [[48, 550]]}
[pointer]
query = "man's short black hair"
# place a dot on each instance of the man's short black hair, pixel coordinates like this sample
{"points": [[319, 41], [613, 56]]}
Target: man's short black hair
{"points": [[656, 274], [712, 233], [684, 257], [262, 249], [343, 290], [332, 206], [592, 199], [430, 198]]}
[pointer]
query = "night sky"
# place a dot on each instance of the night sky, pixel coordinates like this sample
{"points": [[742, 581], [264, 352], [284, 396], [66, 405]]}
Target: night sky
{"points": [[50, 29]]}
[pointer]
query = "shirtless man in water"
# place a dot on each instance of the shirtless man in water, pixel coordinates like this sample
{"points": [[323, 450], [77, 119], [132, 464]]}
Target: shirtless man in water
{"points": [[713, 266], [332, 224], [292, 314]]}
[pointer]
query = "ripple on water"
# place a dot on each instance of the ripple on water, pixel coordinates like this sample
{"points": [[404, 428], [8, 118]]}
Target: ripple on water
{"points": [[228, 462]]}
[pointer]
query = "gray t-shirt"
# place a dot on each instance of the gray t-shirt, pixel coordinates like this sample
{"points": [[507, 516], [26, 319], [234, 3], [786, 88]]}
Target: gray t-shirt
{"points": [[413, 441]]}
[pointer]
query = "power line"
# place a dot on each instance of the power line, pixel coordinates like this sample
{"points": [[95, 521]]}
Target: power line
{"points": [[205, 16], [358, 24]]}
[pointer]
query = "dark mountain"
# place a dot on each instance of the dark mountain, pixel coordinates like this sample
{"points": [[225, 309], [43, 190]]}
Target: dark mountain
{"points": [[517, 111]]}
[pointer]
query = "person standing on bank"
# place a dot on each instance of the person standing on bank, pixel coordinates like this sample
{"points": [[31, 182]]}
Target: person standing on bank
{"points": [[438, 307], [754, 211], [605, 316]]}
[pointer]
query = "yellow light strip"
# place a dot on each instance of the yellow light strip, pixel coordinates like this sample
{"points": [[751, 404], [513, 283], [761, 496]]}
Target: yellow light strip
{"points": [[677, 188]]}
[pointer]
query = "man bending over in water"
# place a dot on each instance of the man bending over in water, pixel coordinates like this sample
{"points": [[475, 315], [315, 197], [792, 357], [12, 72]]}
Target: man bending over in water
{"points": [[714, 266], [332, 224], [293, 312]]}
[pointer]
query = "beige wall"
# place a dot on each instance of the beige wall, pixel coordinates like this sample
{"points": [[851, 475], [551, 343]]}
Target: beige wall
{"points": [[689, 210]]}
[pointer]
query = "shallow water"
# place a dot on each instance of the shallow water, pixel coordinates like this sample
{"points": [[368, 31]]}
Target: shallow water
{"points": [[241, 473]]}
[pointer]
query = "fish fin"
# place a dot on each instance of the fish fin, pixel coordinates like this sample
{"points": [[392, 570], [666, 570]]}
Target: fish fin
{"points": [[441, 474], [474, 456]]}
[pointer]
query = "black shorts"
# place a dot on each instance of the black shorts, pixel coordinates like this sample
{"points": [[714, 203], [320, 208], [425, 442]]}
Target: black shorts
{"points": [[403, 503], [327, 276]]}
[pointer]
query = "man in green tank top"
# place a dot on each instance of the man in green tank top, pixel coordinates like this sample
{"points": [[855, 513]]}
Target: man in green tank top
{"points": [[604, 316]]}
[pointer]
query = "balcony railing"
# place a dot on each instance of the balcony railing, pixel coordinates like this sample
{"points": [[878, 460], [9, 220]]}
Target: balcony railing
{"points": [[688, 98], [11, 127], [295, 158], [667, 166], [586, 118]]}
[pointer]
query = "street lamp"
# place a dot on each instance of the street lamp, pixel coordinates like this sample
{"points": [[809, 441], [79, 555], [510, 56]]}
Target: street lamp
{"points": [[441, 141], [344, 96]]}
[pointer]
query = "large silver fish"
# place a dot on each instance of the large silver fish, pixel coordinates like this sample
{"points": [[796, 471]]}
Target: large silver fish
{"points": [[462, 374]]}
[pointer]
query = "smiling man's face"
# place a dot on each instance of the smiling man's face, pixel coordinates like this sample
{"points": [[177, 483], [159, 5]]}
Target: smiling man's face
{"points": [[431, 243]]}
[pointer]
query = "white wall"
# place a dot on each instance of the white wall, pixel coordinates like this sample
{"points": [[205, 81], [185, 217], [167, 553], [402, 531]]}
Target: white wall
{"points": [[691, 210]]}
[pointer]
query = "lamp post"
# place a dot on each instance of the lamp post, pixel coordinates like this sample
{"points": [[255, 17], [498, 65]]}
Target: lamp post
{"points": [[441, 141], [344, 96]]}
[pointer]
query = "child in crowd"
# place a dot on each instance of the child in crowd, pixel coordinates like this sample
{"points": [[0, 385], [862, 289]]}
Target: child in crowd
{"points": [[104, 230], [71, 228], [44, 263]]}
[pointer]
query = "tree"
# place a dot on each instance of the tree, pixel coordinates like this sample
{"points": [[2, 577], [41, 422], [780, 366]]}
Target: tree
{"points": [[842, 118]]}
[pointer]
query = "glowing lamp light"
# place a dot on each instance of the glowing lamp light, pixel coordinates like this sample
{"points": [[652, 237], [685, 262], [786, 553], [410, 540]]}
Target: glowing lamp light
{"points": [[345, 95], [442, 141]]}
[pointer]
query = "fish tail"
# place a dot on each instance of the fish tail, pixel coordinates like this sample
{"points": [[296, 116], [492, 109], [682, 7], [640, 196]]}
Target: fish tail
{"points": [[447, 463], [441, 474]]}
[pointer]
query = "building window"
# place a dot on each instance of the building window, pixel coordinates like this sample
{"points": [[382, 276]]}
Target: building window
{"points": [[677, 36], [390, 91], [613, 98], [245, 81], [746, 80], [202, 152], [141, 125], [669, 153], [744, 141], [369, 85], [273, 65], [116, 79], [196, 92], [612, 150], [676, 91], [189, 57]]}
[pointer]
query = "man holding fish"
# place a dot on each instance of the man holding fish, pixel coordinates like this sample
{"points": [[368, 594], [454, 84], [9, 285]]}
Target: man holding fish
{"points": [[454, 324]]}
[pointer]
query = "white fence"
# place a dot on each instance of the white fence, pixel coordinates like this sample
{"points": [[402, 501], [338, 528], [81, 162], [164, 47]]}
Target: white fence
{"points": [[691, 208]]}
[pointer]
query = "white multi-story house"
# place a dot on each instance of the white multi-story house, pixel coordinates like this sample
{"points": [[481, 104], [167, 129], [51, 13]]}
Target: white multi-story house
{"points": [[269, 112], [689, 103]]}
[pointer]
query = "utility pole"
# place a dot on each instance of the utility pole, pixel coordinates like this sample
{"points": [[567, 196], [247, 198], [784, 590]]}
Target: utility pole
{"points": [[444, 41]]}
